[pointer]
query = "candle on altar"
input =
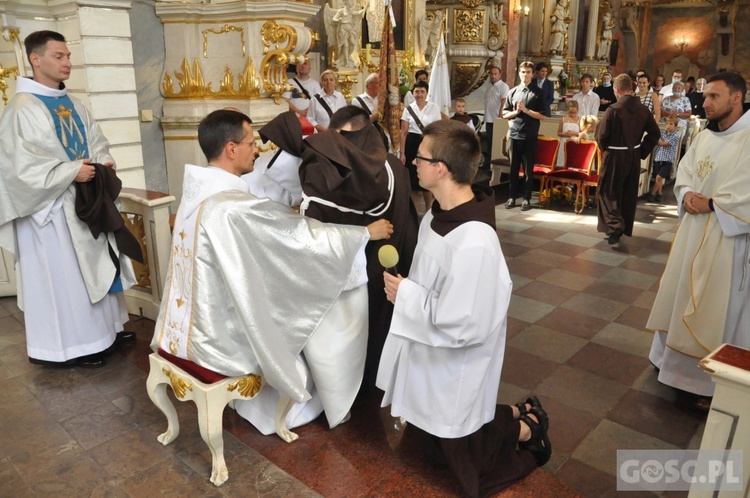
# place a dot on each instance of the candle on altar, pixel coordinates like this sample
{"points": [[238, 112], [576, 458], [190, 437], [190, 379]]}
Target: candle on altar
{"points": [[368, 57]]}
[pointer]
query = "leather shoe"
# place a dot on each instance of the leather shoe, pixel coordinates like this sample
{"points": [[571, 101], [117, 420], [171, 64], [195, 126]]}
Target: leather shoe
{"points": [[525, 205], [510, 204], [92, 361], [124, 336]]}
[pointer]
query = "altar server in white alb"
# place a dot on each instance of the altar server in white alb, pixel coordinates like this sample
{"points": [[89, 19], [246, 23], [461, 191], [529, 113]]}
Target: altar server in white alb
{"points": [[704, 295], [70, 284], [441, 364], [251, 282]]}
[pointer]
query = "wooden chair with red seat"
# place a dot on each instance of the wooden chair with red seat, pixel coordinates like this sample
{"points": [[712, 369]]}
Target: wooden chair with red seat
{"points": [[547, 149], [592, 180], [578, 170]]}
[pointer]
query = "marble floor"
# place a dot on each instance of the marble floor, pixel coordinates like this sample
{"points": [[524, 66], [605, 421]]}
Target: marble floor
{"points": [[576, 338]]}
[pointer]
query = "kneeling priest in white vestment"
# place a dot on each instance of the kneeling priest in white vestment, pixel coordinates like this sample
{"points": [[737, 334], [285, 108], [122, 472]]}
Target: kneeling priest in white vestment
{"points": [[250, 280]]}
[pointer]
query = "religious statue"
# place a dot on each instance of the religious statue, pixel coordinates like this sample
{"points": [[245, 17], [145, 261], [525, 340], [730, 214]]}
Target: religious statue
{"points": [[430, 30], [605, 41], [559, 28], [344, 28]]}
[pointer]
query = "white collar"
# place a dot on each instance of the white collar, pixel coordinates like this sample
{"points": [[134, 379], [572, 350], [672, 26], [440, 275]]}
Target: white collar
{"points": [[740, 124], [27, 85]]}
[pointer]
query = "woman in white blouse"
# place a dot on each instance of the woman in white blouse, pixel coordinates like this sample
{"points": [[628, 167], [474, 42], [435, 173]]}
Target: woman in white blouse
{"points": [[317, 113], [411, 136]]}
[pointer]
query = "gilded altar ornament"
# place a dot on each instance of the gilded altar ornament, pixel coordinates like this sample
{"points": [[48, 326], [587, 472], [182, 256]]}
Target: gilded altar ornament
{"points": [[6, 73], [468, 26], [463, 74], [282, 45], [192, 85], [472, 4], [265, 148], [224, 29], [179, 385], [346, 84], [248, 386]]}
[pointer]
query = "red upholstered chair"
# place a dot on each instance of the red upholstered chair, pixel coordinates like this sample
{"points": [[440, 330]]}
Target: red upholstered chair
{"points": [[546, 158], [579, 170]]}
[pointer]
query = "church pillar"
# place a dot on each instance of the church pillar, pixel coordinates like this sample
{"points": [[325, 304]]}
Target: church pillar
{"points": [[103, 76], [592, 31], [572, 29]]}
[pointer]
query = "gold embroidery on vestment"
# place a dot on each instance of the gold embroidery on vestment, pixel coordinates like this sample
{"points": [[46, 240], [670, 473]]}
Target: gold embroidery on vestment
{"points": [[705, 167]]}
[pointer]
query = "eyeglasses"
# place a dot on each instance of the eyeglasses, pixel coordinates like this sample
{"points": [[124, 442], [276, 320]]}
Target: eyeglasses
{"points": [[432, 161], [251, 142]]}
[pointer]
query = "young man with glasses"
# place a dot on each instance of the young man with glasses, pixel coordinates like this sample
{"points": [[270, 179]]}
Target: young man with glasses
{"points": [[442, 360]]}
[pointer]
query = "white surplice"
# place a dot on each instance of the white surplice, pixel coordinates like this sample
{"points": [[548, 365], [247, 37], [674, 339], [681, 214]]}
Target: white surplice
{"points": [[330, 382], [704, 295], [442, 360], [64, 272]]}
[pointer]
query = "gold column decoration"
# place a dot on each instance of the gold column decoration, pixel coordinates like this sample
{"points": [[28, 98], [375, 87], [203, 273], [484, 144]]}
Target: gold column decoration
{"points": [[192, 85], [346, 84], [6, 73], [248, 386], [280, 48], [179, 385], [224, 29]]}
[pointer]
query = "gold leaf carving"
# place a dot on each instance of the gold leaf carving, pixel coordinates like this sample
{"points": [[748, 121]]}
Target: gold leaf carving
{"points": [[468, 26], [179, 385], [248, 386], [192, 85]]}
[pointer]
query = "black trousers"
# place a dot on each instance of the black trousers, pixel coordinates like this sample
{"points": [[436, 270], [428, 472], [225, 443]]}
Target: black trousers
{"points": [[522, 153]]}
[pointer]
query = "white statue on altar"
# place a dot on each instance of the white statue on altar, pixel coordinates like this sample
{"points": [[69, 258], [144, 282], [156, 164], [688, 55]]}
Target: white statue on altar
{"points": [[430, 30], [605, 42], [559, 28], [344, 28]]}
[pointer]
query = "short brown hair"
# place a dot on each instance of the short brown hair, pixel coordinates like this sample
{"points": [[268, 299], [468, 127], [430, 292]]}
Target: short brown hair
{"points": [[38, 39], [526, 64], [457, 146]]}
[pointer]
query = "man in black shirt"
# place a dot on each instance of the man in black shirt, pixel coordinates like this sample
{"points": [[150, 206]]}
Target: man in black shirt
{"points": [[523, 110]]}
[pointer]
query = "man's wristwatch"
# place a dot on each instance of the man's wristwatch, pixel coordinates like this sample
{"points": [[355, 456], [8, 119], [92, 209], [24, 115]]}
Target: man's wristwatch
{"points": [[711, 204]]}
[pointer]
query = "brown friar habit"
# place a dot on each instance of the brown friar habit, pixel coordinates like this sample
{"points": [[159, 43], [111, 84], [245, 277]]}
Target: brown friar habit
{"points": [[285, 131], [620, 137], [348, 169]]}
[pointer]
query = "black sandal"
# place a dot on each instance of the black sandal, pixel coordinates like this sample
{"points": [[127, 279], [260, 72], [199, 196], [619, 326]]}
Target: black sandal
{"points": [[536, 409], [538, 444]]}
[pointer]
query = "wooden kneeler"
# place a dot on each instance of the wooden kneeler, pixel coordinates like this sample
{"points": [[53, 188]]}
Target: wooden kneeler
{"points": [[210, 400]]}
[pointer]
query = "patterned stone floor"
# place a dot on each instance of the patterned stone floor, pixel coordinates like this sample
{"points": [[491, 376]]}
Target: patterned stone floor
{"points": [[576, 338]]}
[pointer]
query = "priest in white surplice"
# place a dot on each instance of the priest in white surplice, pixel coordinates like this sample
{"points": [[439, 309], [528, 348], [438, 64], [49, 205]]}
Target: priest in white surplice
{"points": [[70, 288], [251, 282], [704, 295]]}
